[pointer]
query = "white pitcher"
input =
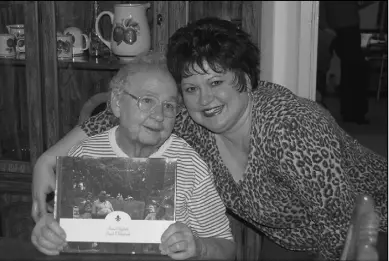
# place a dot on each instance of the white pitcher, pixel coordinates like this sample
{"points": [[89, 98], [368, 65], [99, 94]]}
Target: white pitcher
{"points": [[130, 30]]}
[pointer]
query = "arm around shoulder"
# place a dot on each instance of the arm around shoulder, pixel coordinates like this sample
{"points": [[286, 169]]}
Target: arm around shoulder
{"points": [[61, 148], [43, 181]]}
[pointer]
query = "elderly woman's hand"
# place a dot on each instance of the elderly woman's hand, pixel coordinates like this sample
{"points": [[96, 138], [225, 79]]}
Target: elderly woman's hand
{"points": [[178, 242], [47, 236]]}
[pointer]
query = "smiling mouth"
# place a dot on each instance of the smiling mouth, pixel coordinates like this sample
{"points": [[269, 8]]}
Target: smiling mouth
{"points": [[213, 111]]}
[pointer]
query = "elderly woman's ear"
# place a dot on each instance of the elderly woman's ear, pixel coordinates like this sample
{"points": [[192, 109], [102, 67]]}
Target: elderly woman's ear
{"points": [[115, 104]]}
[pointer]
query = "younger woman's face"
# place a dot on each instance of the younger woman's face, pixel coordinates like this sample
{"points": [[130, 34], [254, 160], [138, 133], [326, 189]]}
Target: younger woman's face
{"points": [[212, 99]]}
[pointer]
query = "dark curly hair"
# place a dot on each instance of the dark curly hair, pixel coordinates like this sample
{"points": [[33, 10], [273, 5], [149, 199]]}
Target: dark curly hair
{"points": [[218, 42]]}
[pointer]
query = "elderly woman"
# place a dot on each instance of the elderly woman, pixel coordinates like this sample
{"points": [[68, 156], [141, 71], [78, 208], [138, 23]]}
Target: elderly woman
{"points": [[279, 161], [144, 99]]}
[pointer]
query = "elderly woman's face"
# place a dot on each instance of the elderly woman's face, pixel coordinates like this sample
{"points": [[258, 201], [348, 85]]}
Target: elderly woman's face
{"points": [[150, 128], [212, 100]]}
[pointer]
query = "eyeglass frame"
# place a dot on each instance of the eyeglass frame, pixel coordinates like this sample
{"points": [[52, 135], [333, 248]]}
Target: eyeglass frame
{"points": [[138, 98]]}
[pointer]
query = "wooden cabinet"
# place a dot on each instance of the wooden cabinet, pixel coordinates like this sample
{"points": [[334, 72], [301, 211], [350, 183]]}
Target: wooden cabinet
{"points": [[21, 139], [41, 97]]}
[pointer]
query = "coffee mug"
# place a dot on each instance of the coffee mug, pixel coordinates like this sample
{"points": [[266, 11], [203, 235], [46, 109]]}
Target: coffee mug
{"points": [[18, 31], [78, 39], [7, 45], [64, 46]]}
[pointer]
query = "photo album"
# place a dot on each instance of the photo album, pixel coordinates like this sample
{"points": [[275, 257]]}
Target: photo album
{"points": [[115, 205]]}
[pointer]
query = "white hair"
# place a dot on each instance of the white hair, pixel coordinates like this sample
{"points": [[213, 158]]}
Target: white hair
{"points": [[142, 63]]}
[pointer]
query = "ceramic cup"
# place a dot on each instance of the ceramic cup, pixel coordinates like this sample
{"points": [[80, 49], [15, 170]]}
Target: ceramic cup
{"points": [[80, 41], [7, 46], [64, 46], [18, 31]]}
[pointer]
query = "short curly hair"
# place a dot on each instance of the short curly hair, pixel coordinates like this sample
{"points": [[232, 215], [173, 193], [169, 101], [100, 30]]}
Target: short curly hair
{"points": [[221, 44]]}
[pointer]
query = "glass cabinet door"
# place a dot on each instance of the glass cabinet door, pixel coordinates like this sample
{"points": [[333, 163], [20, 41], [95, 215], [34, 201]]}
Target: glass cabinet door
{"points": [[79, 64], [76, 79], [20, 115]]}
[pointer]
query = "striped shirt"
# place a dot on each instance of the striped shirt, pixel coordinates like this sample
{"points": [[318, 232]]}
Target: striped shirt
{"points": [[198, 205]]}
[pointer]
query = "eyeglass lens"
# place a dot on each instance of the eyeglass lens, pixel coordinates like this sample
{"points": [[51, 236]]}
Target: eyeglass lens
{"points": [[148, 103]]}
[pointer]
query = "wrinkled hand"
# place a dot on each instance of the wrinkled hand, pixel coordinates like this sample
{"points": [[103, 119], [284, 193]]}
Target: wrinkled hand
{"points": [[47, 236], [43, 183], [178, 242]]}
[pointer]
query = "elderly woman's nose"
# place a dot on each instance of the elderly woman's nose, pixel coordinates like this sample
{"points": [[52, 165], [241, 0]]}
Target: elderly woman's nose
{"points": [[157, 112]]}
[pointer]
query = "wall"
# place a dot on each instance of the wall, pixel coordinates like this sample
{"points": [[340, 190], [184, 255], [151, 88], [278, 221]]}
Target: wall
{"points": [[278, 46], [289, 45], [368, 16]]}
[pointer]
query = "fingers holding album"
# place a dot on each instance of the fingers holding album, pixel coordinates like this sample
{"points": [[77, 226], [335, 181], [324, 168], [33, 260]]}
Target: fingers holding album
{"points": [[47, 236], [178, 242], [43, 183], [55, 229], [44, 246]]}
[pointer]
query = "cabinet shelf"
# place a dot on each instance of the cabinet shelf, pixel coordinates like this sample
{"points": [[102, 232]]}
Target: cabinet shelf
{"points": [[82, 62], [12, 61]]}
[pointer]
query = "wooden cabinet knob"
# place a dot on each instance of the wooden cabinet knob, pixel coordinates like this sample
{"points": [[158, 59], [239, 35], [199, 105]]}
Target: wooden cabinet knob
{"points": [[159, 19]]}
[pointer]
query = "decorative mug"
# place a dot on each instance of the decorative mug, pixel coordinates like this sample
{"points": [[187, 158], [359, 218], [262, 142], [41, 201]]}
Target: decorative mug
{"points": [[130, 30], [7, 45], [18, 31], [64, 46], [78, 39]]}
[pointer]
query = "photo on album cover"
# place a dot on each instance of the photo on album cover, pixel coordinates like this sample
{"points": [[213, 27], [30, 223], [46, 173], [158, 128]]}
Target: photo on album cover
{"points": [[108, 200]]}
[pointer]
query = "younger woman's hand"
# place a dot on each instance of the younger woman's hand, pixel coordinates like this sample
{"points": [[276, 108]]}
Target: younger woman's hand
{"points": [[43, 183]]}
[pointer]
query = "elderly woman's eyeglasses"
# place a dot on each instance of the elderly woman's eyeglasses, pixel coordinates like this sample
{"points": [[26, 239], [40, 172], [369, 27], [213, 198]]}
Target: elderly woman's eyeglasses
{"points": [[147, 103]]}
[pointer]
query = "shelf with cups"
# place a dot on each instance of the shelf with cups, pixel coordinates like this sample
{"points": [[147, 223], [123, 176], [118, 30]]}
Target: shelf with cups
{"points": [[12, 44], [73, 52], [76, 62], [92, 63]]}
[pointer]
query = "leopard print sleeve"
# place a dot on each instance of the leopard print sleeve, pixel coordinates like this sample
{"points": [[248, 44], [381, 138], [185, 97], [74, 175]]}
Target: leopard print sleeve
{"points": [[314, 168], [99, 123], [185, 127]]}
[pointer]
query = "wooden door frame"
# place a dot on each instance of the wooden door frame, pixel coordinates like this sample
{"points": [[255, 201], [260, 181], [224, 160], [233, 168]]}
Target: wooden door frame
{"points": [[308, 41], [168, 17], [33, 80], [50, 72]]}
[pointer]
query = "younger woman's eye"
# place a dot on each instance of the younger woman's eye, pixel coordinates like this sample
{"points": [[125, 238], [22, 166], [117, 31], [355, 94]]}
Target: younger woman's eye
{"points": [[190, 89], [216, 83]]}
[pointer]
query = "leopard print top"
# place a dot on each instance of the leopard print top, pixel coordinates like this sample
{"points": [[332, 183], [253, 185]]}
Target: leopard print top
{"points": [[302, 176]]}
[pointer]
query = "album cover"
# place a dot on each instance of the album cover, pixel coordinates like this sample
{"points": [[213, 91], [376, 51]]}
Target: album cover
{"points": [[115, 205]]}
